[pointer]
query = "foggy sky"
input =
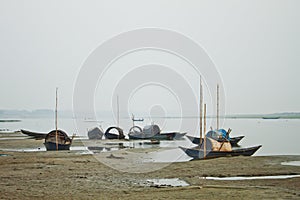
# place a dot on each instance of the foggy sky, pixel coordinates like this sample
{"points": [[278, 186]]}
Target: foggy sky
{"points": [[255, 46]]}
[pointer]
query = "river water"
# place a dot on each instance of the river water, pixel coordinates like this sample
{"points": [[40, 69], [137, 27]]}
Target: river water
{"points": [[277, 136]]}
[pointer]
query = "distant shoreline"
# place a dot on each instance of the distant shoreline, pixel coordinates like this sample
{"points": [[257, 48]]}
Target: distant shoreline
{"points": [[10, 120], [16, 115]]}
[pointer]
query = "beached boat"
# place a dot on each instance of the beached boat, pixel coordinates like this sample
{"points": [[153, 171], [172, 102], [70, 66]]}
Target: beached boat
{"points": [[35, 135], [270, 117], [198, 154], [151, 132], [137, 133], [95, 134], [109, 135], [57, 140], [211, 148]]}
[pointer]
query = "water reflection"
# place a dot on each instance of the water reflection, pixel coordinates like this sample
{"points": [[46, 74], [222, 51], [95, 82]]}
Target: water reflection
{"points": [[173, 182]]}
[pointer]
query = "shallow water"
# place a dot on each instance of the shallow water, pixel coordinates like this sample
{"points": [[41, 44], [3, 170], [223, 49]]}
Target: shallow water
{"points": [[291, 163], [239, 178], [278, 136], [173, 182]]}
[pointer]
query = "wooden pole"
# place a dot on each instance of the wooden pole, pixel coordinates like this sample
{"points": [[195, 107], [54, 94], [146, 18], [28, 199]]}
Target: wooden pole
{"points": [[132, 120], [200, 108], [56, 134], [218, 106], [204, 130], [118, 112]]}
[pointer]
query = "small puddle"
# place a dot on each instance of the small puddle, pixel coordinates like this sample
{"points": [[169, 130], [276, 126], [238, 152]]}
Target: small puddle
{"points": [[102, 149], [291, 163], [171, 182], [1, 154], [239, 178]]}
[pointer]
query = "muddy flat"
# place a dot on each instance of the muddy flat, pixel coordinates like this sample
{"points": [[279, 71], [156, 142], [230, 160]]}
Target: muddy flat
{"points": [[73, 175]]}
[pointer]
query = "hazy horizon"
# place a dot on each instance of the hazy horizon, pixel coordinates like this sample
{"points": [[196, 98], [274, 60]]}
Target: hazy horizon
{"points": [[254, 46]]}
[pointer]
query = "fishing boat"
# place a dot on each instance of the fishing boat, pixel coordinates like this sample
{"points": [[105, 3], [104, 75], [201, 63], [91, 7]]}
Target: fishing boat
{"points": [[270, 117], [57, 140], [233, 140], [95, 134], [35, 135], [137, 133], [215, 143], [109, 135], [198, 154], [150, 132]]}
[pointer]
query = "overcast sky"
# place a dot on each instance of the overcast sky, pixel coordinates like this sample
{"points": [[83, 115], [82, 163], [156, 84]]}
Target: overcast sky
{"points": [[254, 44]]}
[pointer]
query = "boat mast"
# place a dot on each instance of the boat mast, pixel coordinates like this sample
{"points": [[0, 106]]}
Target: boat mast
{"points": [[200, 108], [218, 107], [118, 112], [204, 147], [132, 118], [56, 134]]}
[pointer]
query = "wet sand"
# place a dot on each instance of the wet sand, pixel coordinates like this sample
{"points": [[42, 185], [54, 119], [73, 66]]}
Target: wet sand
{"points": [[71, 175]]}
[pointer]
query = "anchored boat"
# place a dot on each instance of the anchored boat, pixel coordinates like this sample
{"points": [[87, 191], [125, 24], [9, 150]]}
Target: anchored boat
{"points": [[219, 135], [57, 140], [109, 135]]}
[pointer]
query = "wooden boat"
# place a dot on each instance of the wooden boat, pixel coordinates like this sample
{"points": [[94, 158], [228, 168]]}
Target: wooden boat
{"points": [[270, 117], [151, 132], [179, 135], [137, 133], [233, 140], [109, 135], [95, 134], [152, 142], [211, 148], [35, 135], [198, 154], [215, 143], [57, 141]]}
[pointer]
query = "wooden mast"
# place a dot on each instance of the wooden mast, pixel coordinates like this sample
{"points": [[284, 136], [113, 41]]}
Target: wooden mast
{"points": [[56, 134], [218, 107], [132, 118], [118, 112], [204, 147], [200, 108]]}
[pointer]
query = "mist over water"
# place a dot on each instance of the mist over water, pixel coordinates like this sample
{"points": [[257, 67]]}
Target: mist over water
{"points": [[277, 136]]}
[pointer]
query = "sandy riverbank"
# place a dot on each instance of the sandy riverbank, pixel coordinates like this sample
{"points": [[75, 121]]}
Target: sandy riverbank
{"points": [[69, 174]]}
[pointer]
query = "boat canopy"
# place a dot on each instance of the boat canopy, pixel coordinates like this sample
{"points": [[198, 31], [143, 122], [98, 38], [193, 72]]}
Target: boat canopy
{"points": [[218, 134], [151, 129]]}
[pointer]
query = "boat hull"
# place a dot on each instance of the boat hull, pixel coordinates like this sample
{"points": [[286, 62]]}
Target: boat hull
{"points": [[51, 146], [199, 154], [233, 141], [35, 135], [160, 136], [111, 136]]}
